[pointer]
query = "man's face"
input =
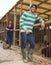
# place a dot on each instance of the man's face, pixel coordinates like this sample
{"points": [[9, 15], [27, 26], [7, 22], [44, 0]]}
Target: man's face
{"points": [[33, 9]]}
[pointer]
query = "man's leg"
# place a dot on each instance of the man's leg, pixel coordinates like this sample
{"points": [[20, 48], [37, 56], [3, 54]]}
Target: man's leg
{"points": [[7, 39], [24, 39], [32, 44], [7, 42], [11, 39]]}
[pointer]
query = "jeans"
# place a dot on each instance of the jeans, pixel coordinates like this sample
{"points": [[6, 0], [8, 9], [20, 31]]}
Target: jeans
{"points": [[9, 38], [28, 37]]}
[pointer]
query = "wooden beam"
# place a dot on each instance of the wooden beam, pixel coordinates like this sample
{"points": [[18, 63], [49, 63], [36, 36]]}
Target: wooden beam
{"points": [[38, 6], [40, 23], [43, 2], [14, 25], [1, 32], [30, 3], [44, 12], [39, 3]]}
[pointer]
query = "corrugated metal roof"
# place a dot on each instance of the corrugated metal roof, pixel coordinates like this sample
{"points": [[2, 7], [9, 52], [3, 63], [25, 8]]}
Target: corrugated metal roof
{"points": [[5, 6]]}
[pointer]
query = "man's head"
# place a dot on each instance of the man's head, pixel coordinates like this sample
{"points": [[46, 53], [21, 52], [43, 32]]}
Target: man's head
{"points": [[33, 8]]}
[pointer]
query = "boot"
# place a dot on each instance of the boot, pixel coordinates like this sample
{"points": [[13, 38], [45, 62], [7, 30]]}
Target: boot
{"points": [[30, 54], [9, 45], [24, 55], [6, 46]]}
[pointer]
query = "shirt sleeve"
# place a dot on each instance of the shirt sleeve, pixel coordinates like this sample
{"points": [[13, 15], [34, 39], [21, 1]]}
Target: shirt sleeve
{"points": [[40, 19], [22, 20]]}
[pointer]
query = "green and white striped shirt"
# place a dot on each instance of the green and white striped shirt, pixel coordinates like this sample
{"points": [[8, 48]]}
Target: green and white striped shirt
{"points": [[27, 21]]}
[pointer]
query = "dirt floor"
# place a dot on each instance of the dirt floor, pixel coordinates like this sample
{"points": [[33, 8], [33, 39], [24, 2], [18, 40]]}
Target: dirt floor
{"points": [[14, 57]]}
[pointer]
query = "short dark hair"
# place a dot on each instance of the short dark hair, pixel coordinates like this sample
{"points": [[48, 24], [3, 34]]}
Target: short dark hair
{"points": [[33, 5]]}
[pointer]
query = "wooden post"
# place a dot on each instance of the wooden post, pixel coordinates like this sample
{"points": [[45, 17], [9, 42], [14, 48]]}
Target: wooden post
{"points": [[49, 17], [19, 25], [5, 21], [14, 25], [7, 18], [30, 3], [1, 30]]}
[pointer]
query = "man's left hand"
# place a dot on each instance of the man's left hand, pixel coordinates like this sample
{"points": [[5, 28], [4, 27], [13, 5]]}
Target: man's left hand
{"points": [[43, 24]]}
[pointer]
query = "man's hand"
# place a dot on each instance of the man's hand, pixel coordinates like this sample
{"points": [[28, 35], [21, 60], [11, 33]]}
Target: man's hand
{"points": [[27, 32], [42, 24], [11, 29], [7, 29]]}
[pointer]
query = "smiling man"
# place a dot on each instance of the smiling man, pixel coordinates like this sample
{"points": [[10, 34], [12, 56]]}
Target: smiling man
{"points": [[27, 21]]}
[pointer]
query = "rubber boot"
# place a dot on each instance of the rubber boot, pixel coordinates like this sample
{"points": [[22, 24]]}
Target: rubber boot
{"points": [[24, 55], [9, 45], [30, 54], [6, 46]]}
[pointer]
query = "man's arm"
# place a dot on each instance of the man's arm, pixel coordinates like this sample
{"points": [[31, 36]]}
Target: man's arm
{"points": [[41, 21], [7, 29]]}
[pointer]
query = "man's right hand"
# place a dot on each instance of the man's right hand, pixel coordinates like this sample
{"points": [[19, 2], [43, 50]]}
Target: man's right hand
{"points": [[27, 32], [7, 29]]}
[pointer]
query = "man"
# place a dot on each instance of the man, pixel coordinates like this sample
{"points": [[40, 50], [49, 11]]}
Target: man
{"points": [[26, 25]]}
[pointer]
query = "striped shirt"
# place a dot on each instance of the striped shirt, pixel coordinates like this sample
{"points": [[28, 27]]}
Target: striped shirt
{"points": [[27, 21]]}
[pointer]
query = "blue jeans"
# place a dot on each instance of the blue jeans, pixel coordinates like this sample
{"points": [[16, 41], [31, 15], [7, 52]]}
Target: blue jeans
{"points": [[9, 38], [28, 37]]}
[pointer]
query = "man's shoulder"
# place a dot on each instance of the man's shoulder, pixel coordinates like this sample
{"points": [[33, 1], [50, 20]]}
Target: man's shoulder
{"points": [[26, 12]]}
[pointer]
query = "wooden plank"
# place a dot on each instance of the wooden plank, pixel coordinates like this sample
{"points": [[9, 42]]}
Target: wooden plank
{"points": [[14, 25], [1, 32], [40, 23]]}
